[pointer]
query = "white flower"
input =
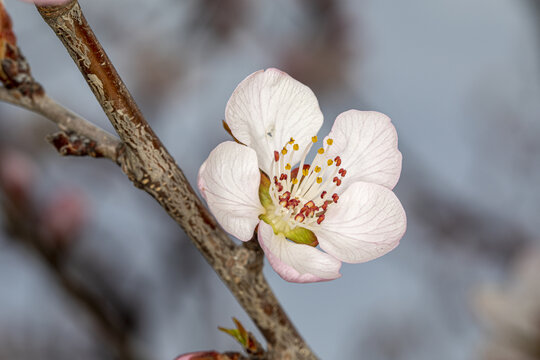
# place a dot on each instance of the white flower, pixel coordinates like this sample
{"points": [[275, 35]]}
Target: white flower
{"points": [[342, 202]]}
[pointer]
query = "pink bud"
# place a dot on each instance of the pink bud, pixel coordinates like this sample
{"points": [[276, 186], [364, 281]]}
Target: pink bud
{"points": [[201, 355], [64, 216], [17, 174]]}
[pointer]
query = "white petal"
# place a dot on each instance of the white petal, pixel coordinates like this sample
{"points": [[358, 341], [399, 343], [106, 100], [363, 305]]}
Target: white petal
{"points": [[367, 143], [297, 262], [267, 109], [229, 181], [367, 222]]}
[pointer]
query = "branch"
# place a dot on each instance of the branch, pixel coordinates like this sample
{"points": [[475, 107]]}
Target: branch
{"points": [[89, 139], [150, 167]]}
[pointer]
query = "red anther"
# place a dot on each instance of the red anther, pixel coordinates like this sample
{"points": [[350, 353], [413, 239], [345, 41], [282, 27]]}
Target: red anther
{"points": [[283, 203], [335, 197], [337, 181], [310, 204], [338, 161], [286, 195], [342, 172], [275, 180], [325, 205], [283, 177], [320, 219], [323, 194], [279, 187], [299, 217], [306, 167], [294, 202], [276, 156]]}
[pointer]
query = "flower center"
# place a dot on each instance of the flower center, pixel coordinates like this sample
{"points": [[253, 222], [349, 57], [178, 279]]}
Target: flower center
{"points": [[300, 198]]}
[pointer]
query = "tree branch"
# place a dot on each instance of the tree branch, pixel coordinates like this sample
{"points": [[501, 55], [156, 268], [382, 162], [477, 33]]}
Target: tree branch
{"points": [[150, 167]]}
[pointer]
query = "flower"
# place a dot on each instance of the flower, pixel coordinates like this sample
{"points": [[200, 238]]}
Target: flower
{"points": [[342, 202]]}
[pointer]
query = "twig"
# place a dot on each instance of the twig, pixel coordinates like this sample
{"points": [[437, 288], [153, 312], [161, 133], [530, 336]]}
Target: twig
{"points": [[21, 223], [104, 144], [150, 167]]}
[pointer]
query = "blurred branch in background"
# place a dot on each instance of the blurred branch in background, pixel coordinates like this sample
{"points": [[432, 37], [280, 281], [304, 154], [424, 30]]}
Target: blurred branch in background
{"points": [[320, 54], [50, 232], [511, 313]]}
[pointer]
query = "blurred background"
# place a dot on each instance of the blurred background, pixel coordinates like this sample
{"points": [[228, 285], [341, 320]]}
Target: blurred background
{"points": [[114, 278]]}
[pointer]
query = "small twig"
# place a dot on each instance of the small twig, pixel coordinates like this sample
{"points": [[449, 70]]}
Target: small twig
{"points": [[150, 167], [103, 143]]}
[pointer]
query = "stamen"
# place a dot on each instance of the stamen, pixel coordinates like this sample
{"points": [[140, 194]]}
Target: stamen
{"points": [[276, 156], [330, 162], [317, 169], [314, 139], [329, 141], [288, 166], [338, 161], [296, 147], [320, 151], [319, 180]]}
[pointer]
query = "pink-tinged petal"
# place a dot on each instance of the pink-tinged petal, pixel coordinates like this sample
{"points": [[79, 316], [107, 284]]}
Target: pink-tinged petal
{"points": [[267, 109], [296, 262], [367, 144], [367, 222], [229, 181]]}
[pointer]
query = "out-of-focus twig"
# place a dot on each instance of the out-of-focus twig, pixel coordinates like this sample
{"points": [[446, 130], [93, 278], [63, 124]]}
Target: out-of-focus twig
{"points": [[22, 222], [150, 167]]}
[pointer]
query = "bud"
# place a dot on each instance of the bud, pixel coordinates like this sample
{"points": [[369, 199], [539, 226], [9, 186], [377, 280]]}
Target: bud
{"points": [[63, 217], [209, 355], [17, 174]]}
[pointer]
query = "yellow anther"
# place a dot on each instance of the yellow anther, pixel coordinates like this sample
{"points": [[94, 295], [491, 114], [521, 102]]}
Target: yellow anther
{"points": [[295, 181], [329, 141], [305, 172], [288, 167], [317, 169], [320, 151], [319, 180], [314, 139], [296, 147], [291, 141], [330, 162], [284, 151]]}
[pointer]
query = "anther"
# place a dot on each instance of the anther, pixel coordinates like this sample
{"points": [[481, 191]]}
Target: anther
{"points": [[320, 151], [335, 197], [296, 147], [319, 180], [314, 139], [342, 172], [320, 219], [323, 194], [284, 151], [283, 177], [294, 181], [337, 181], [329, 141], [317, 169], [299, 217], [330, 162], [338, 161], [288, 166], [276, 156]]}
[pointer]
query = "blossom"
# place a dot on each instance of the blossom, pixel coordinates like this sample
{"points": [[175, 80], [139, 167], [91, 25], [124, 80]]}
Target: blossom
{"points": [[309, 218]]}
